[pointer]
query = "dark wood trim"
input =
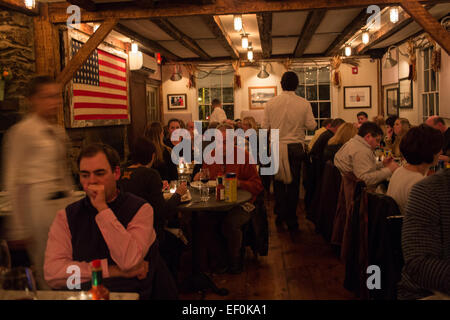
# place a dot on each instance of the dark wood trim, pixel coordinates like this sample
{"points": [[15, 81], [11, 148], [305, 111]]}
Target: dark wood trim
{"points": [[88, 5], [265, 33], [312, 23], [83, 54], [219, 7], [428, 23], [151, 44], [215, 26], [357, 23], [179, 36]]}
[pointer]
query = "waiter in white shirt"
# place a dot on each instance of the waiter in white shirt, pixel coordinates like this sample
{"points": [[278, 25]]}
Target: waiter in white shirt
{"points": [[291, 115], [218, 115], [36, 172]]}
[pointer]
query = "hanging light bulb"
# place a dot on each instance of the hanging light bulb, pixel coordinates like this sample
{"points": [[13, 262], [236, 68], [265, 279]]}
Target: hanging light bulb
{"points": [[365, 37], [135, 57], [393, 13], [30, 4], [244, 41], [250, 52], [348, 50], [237, 22]]}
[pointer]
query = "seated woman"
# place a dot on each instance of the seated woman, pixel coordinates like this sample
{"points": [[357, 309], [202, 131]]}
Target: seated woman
{"points": [[143, 181], [401, 127], [421, 147], [344, 133], [389, 137], [163, 161]]}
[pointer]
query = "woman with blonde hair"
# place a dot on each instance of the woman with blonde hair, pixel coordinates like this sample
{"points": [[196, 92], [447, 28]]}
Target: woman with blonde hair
{"points": [[344, 133], [401, 127], [163, 161], [249, 123]]}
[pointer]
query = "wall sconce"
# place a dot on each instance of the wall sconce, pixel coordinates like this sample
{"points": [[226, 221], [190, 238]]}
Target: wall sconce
{"points": [[262, 74], [176, 75], [237, 22], [30, 4], [390, 62], [365, 37], [244, 41], [135, 57], [348, 50], [393, 13]]}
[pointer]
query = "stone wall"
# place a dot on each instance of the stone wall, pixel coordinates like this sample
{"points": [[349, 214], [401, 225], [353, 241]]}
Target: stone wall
{"points": [[16, 52]]}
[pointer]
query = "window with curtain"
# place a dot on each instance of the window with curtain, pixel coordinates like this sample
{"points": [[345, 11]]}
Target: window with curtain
{"points": [[215, 83], [430, 94], [315, 86]]}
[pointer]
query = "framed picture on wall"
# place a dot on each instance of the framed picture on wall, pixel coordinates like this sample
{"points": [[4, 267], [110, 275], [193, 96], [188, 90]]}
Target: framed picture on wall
{"points": [[176, 101], [258, 96], [405, 93], [392, 102], [358, 97]]}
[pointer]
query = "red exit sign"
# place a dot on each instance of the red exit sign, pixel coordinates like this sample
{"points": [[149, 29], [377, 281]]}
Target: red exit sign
{"points": [[355, 70]]}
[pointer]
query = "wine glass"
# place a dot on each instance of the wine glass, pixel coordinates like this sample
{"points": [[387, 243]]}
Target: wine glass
{"points": [[204, 175], [22, 281]]}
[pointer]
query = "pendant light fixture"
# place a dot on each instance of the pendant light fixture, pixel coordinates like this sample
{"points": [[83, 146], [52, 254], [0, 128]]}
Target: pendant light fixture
{"points": [[176, 76], [365, 37], [393, 13], [30, 4], [135, 57], [250, 52], [237, 22], [348, 50], [244, 40], [389, 62], [262, 74]]}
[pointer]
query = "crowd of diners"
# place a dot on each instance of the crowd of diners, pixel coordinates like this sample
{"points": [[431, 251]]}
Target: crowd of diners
{"points": [[126, 221]]}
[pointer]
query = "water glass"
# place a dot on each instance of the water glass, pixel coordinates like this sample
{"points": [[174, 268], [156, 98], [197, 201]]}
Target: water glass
{"points": [[204, 193]]}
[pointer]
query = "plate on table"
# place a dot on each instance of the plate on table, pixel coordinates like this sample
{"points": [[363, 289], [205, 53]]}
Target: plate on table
{"points": [[186, 198], [198, 184]]}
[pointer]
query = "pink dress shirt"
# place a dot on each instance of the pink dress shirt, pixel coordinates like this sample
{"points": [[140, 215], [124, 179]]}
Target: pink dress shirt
{"points": [[127, 246]]}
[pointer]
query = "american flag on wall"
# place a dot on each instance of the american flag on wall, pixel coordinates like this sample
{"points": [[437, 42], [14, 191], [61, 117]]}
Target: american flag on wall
{"points": [[100, 87]]}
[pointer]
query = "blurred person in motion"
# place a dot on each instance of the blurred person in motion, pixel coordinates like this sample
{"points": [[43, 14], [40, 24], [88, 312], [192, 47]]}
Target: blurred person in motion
{"points": [[36, 174]]}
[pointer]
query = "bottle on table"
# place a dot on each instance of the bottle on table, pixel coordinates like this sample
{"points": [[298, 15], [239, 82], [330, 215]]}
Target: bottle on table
{"points": [[220, 189], [98, 290], [231, 187]]}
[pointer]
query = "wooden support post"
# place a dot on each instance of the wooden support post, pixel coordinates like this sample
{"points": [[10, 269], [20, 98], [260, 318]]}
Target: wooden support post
{"points": [[83, 54], [428, 23]]}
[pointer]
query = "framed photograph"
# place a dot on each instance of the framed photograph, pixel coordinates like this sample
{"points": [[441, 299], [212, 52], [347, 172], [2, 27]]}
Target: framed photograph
{"points": [[392, 102], [258, 96], [405, 93], [358, 97], [176, 101]]}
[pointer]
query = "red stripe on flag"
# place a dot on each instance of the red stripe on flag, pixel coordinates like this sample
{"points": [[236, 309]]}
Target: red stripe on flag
{"points": [[98, 94], [79, 105], [110, 56], [110, 65], [100, 116], [111, 75], [112, 86]]}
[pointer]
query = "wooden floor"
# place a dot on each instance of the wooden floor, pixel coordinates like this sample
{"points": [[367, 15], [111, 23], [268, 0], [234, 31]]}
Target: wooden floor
{"points": [[306, 270]]}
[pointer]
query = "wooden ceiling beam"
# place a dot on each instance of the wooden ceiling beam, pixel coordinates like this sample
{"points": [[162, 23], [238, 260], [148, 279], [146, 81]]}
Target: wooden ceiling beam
{"points": [[265, 33], [313, 21], [88, 5], [357, 23], [19, 5], [219, 7], [179, 36], [215, 26], [86, 50], [151, 44], [428, 23]]}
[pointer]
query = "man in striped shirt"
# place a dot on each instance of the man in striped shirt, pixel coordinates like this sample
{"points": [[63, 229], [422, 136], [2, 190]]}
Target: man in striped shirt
{"points": [[426, 239]]}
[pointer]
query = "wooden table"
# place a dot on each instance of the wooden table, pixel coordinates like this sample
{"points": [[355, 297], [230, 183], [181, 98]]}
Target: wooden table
{"points": [[65, 295]]}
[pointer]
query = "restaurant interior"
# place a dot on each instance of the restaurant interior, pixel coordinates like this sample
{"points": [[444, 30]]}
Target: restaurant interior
{"points": [[385, 58]]}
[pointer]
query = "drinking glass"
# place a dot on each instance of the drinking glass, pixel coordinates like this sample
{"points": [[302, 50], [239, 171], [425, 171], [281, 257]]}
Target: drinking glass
{"points": [[204, 192], [20, 279]]}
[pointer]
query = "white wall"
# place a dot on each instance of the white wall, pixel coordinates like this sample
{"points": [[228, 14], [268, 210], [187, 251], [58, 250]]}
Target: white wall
{"points": [[367, 76], [444, 86], [178, 87]]}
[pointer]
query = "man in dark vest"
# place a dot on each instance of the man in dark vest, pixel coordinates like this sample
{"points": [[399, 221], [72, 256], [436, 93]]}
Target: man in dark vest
{"points": [[110, 225]]}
